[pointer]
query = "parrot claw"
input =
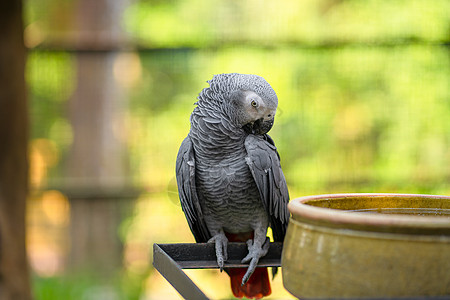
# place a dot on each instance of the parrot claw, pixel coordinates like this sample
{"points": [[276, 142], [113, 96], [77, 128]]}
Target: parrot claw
{"points": [[253, 256], [221, 243], [250, 270], [255, 251]]}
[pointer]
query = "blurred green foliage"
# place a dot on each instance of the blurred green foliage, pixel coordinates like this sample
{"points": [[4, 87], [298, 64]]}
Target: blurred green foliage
{"points": [[197, 23], [363, 88], [85, 286]]}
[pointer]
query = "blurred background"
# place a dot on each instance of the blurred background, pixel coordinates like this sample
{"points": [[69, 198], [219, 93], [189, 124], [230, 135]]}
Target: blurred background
{"points": [[364, 106]]}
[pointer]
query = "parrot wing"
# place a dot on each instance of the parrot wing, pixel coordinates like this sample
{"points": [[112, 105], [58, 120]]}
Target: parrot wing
{"points": [[264, 163], [185, 173]]}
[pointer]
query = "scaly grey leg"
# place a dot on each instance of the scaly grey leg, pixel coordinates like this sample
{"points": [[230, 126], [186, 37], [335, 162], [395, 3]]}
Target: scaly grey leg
{"points": [[221, 242]]}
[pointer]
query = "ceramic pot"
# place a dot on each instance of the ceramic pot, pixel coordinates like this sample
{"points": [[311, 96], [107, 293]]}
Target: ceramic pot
{"points": [[367, 245]]}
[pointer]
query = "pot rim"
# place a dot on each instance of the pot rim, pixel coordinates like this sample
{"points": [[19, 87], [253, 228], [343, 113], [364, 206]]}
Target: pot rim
{"points": [[299, 207]]}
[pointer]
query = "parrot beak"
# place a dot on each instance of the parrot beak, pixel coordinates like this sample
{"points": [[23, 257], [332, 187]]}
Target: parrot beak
{"points": [[259, 127]]}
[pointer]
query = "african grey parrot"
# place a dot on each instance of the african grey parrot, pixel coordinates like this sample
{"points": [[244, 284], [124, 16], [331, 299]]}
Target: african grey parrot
{"points": [[230, 182]]}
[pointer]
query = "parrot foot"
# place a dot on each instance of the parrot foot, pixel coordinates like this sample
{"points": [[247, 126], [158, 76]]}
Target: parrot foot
{"points": [[253, 256], [221, 242]]}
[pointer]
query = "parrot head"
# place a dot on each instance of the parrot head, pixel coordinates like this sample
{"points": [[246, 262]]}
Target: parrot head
{"points": [[249, 100], [255, 114]]}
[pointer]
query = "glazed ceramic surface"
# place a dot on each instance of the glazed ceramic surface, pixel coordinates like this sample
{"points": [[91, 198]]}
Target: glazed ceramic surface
{"points": [[368, 245]]}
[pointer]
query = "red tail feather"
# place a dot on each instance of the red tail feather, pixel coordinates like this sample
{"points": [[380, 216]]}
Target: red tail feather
{"points": [[258, 285]]}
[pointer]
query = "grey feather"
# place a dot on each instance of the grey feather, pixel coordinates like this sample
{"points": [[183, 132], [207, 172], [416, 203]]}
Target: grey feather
{"points": [[185, 173], [265, 166], [228, 178]]}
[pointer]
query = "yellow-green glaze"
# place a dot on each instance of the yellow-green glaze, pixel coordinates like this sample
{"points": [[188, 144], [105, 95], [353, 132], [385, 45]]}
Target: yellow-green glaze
{"points": [[330, 252]]}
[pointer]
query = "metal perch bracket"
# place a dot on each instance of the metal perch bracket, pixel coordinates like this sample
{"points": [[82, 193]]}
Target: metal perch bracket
{"points": [[171, 259]]}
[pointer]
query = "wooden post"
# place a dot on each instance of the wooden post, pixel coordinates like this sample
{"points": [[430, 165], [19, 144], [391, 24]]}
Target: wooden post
{"points": [[96, 160], [14, 275]]}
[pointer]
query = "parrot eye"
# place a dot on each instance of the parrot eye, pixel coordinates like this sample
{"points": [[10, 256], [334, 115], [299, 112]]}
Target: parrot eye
{"points": [[254, 103]]}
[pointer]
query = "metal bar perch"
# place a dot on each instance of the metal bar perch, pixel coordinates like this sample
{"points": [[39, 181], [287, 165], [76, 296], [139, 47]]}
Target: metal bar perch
{"points": [[170, 259]]}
